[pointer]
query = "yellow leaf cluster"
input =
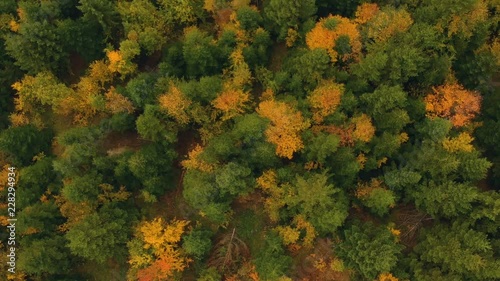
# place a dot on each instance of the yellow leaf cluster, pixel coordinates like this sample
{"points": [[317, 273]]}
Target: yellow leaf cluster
{"points": [[268, 182], [454, 102], [363, 128], [325, 99], [159, 235], [176, 104], [460, 143], [193, 162], [324, 37], [364, 189], [291, 235], [286, 125]]}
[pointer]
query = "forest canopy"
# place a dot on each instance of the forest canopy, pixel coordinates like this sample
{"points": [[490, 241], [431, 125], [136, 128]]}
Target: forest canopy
{"points": [[271, 140]]}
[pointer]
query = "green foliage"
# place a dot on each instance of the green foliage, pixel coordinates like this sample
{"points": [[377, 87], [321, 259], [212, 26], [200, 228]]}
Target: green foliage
{"points": [[20, 144], [249, 18], [272, 263], [82, 188], [376, 250], [233, 178], [284, 14], [45, 256], [152, 166], [379, 201], [323, 205], [449, 199], [200, 54], [455, 251], [100, 236], [42, 217], [197, 243], [321, 147], [141, 89], [34, 180]]}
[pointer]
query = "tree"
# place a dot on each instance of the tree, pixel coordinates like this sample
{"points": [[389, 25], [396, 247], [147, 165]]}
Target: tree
{"points": [[176, 104], [286, 124], [154, 253], [197, 243], [387, 23], [199, 53], [99, 236], [45, 256], [330, 32], [325, 99], [376, 196], [34, 181], [82, 188], [20, 144], [449, 199], [455, 252], [454, 102], [375, 251], [231, 102], [284, 15]]}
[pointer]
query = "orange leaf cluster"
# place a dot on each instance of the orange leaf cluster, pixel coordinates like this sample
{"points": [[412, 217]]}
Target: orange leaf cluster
{"points": [[231, 102], [321, 36], [386, 277], [454, 102], [345, 134], [387, 23], [363, 128], [325, 99], [176, 104], [117, 103], [366, 12], [286, 125]]}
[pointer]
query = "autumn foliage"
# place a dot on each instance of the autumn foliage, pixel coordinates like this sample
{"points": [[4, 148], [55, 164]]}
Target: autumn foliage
{"points": [[325, 99], [453, 102], [363, 128], [366, 12], [160, 239], [175, 103], [326, 32], [387, 23], [286, 125], [231, 102]]}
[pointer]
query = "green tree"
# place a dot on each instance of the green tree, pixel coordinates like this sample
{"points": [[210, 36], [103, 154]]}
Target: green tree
{"points": [[197, 243], [82, 188], [20, 144], [368, 249], [455, 252], [284, 14], [100, 236], [45, 256], [33, 181], [324, 205]]}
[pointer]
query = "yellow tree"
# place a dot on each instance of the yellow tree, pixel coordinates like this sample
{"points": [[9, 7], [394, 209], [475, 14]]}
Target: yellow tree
{"points": [[363, 128], [285, 128], [328, 30], [176, 104], [454, 102], [325, 99], [155, 253]]}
